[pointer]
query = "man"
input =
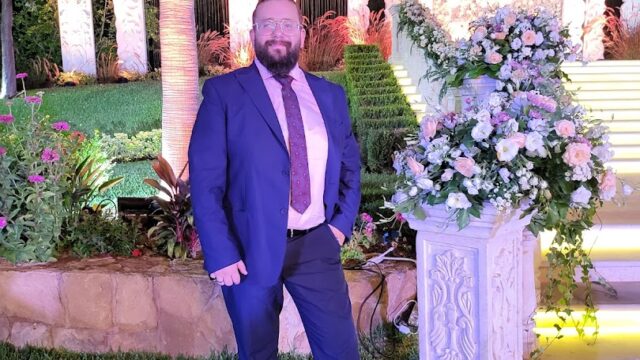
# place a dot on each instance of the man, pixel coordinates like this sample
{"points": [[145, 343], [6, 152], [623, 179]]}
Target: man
{"points": [[275, 184]]}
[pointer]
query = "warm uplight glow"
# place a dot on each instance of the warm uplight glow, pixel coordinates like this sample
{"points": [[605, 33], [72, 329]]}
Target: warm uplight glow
{"points": [[240, 24], [604, 240], [612, 321], [358, 20]]}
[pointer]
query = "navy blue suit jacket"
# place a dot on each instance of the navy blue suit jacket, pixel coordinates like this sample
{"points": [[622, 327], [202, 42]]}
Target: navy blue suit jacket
{"points": [[239, 172]]}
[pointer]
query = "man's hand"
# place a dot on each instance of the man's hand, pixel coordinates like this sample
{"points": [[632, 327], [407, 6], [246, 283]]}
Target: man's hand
{"points": [[338, 234], [230, 275]]}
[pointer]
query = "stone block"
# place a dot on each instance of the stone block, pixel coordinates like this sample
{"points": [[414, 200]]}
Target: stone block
{"points": [[146, 341], [31, 295], [87, 299], [29, 333], [134, 306], [80, 340]]}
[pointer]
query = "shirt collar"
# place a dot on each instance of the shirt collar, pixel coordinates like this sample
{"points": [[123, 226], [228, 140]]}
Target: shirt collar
{"points": [[296, 73]]}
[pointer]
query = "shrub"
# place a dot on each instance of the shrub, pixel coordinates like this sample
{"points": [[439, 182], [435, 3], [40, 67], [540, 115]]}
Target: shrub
{"points": [[381, 143], [213, 50], [74, 78], [42, 73], [622, 43], [375, 188], [121, 148], [96, 234], [108, 67]]}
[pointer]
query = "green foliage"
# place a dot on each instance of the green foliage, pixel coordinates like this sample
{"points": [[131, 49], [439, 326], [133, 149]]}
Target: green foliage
{"points": [[381, 144], [96, 234], [337, 77], [174, 231], [35, 33], [133, 183], [120, 147], [375, 188]]}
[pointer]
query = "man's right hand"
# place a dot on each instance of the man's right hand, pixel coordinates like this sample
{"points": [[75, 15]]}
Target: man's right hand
{"points": [[230, 275]]}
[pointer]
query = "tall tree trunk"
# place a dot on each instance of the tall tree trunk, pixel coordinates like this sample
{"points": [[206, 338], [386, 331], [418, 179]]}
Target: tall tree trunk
{"points": [[8, 58], [178, 53]]}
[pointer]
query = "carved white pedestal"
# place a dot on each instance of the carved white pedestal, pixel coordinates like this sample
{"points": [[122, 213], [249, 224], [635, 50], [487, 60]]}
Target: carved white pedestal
{"points": [[531, 258], [470, 286], [76, 36], [131, 35]]}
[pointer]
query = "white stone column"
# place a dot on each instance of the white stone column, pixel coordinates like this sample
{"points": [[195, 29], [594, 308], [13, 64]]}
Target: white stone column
{"points": [[531, 258], [573, 12], [630, 13], [131, 35], [593, 33], [240, 24], [470, 285], [76, 36]]}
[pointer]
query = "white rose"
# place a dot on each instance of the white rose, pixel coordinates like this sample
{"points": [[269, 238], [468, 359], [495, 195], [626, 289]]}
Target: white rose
{"points": [[399, 197], [458, 201], [447, 175], [516, 43], [482, 130], [495, 99], [506, 149], [483, 115], [602, 152], [413, 191], [534, 141], [581, 197], [425, 183]]}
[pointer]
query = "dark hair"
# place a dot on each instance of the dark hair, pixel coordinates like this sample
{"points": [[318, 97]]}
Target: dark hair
{"points": [[253, 16]]}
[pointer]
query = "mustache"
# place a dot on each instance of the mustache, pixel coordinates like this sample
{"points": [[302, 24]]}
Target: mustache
{"points": [[284, 43]]}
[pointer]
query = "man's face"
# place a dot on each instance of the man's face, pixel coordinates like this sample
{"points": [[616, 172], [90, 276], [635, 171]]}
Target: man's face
{"points": [[278, 50]]}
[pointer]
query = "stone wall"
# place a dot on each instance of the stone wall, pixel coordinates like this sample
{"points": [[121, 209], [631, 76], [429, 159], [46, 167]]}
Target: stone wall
{"points": [[151, 304]]}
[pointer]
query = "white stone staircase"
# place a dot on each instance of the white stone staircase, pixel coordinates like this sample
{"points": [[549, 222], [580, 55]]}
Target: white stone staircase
{"points": [[611, 91], [415, 99]]}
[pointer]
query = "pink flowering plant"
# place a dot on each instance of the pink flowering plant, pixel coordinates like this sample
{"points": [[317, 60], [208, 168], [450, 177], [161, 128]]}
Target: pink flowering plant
{"points": [[44, 181]]}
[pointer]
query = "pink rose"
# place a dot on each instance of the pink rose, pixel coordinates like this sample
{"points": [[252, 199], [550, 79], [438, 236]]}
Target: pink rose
{"points": [[510, 19], [607, 185], [519, 139], [528, 38], [416, 167], [500, 35], [493, 58], [577, 154], [565, 128], [479, 33], [429, 127], [464, 166]]}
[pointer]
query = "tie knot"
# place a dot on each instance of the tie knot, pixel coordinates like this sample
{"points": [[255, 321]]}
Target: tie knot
{"points": [[285, 80]]}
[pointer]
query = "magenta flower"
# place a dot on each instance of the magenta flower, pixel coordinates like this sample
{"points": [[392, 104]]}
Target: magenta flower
{"points": [[3, 150], [60, 126], [6, 118], [21, 75], [400, 218], [50, 155], [3, 222], [36, 179], [366, 217], [33, 100]]}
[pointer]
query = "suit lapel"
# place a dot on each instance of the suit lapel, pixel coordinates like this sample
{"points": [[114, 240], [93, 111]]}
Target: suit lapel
{"points": [[252, 83]]}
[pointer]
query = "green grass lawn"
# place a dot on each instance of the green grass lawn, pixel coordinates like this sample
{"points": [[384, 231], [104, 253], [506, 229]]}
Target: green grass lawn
{"points": [[132, 186]]}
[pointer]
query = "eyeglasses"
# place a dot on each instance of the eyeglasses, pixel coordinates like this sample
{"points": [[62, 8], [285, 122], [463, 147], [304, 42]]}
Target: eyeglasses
{"points": [[286, 26]]}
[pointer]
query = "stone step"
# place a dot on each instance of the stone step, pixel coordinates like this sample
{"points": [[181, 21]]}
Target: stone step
{"points": [[600, 63], [625, 166], [615, 69], [623, 126], [617, 77], [409, 89], [404, 81], [626, 152], [401, 73], [588, 95], [414, 98], [419, 107], [601, 85], [616, 115], [625, 138], [611, 104], [397, 67]]}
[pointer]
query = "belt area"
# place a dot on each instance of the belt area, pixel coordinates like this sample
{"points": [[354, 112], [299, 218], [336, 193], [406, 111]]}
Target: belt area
{"points": [[292, 233]]}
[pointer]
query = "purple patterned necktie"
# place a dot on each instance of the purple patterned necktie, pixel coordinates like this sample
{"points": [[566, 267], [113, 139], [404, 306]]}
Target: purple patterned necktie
{"points": [[300, 183]]}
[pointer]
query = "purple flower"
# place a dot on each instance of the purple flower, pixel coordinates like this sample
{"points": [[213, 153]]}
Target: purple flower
{"points": [[60, 126], [3, 150], [36, 179], [33, 99], [3, 222], [6, 118], [500, 118], [450, 120], [50, 155], [400, 218], [543, 102], [366, 218], [21, 75]]}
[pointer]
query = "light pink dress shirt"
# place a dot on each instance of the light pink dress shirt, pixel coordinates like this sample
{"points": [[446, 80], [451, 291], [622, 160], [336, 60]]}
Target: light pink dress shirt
{"points": [[316, 137]]}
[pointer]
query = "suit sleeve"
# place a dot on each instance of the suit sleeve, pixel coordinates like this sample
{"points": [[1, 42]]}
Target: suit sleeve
{"points": [[208, 179], [349, 186]]}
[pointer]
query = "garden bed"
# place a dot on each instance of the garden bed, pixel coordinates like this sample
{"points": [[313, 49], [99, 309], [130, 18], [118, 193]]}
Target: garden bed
{"points": [[152, 304]]}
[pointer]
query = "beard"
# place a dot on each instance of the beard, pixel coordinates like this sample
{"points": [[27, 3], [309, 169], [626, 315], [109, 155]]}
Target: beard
{"points": [[279, 65]]}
